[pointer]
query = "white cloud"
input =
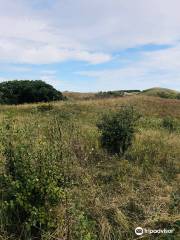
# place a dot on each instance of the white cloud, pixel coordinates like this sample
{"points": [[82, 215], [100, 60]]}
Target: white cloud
{"points": [[118, 24], [159, 68], [21, 51], [49, 76], [1, 79], [45, 32], [83, 30], [31, 39]]}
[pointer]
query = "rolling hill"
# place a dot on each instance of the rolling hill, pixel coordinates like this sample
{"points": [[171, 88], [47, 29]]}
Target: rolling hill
{"points": [[162, 92]]}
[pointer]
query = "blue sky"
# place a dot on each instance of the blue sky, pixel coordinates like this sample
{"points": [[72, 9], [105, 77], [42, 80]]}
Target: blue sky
{"points": [[91, 45]]}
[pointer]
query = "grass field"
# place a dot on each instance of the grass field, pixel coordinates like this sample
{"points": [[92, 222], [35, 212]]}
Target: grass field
{"points": [[91, 194]]}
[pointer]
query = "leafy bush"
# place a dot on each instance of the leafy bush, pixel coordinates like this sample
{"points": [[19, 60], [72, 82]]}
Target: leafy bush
{"points": [[117, 130], [18, 92], [31, 185], [169, 123]]}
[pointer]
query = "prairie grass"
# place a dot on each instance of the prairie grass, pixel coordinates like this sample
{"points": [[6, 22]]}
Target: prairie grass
{"points": [[104, 196]]}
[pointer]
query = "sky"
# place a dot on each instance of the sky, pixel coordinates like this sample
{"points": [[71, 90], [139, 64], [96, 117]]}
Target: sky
{"points": [[91, 45]]}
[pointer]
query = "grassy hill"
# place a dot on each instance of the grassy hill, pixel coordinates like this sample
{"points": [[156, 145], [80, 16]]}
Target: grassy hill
{"points": [[64, 185], [162, 92], [95, 95], [155, 92]]}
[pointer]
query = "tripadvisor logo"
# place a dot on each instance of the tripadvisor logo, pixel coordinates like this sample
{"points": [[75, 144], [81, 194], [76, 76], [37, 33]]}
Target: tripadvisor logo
{"points": [[140, 231]]}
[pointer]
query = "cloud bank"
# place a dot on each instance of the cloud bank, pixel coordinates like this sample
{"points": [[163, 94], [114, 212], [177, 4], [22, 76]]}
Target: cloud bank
{"points": [[95, 32]]}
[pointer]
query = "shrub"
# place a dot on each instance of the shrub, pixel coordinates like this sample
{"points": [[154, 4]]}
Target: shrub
{"points": [[18, 92], [31, 185], [117, 130], [169, 124]]}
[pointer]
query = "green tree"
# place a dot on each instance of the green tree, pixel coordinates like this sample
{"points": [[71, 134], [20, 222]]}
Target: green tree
{"points": [[26, 91]]}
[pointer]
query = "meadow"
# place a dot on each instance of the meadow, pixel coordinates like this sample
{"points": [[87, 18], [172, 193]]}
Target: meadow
{"points": [[57, 182]]}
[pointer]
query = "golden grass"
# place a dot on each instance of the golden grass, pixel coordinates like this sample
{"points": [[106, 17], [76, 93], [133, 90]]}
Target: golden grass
{"points": [[110, 196], [146, 104]]}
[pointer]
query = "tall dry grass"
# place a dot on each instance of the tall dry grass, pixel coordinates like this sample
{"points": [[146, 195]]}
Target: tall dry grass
{"points": [[105, 196]]}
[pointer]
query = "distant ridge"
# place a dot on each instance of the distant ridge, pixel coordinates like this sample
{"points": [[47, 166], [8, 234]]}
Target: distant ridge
{"points": [[162, 92], [156, 92]]}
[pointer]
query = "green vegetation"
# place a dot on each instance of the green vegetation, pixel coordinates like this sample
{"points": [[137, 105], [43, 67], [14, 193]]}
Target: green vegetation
{"points": [[31, 183], [169, 123], [118, 130], [110, 94], [119, 93], [152, 92], [162, 92], [99, 95], [58, 182], [18, 92]]}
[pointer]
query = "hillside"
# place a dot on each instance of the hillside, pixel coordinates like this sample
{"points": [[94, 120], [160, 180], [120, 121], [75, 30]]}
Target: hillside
{"points": [[162, 92], [57, 182], [154, 92], [102, 94]]}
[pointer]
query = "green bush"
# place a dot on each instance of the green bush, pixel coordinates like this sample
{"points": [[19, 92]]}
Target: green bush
{"points": [[31, 185], [117, 130], [169, 124], [25, 91]]}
